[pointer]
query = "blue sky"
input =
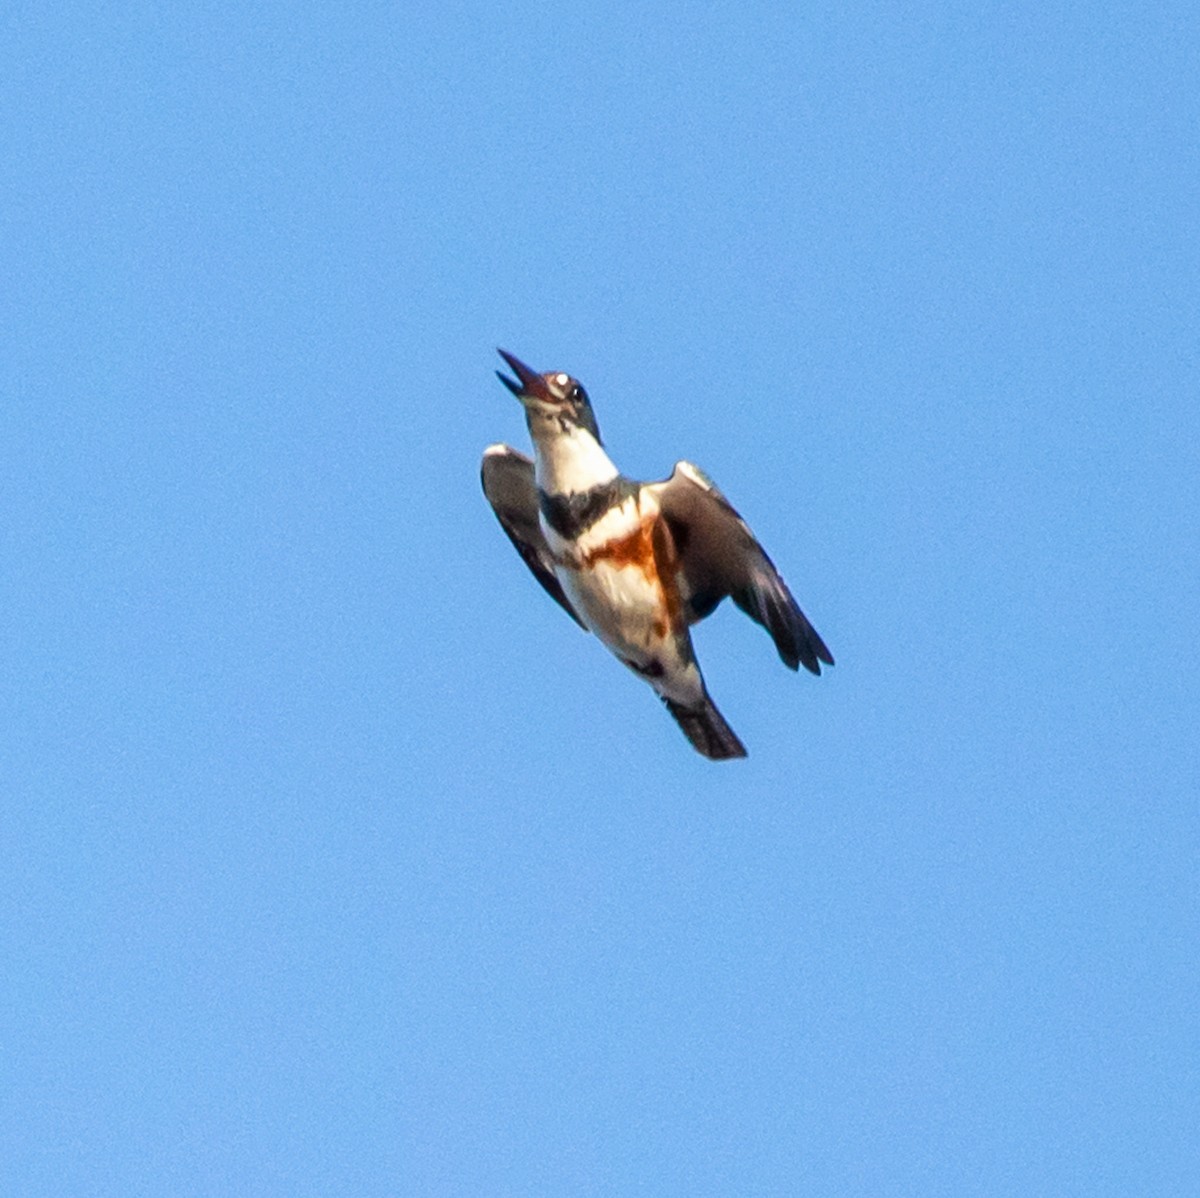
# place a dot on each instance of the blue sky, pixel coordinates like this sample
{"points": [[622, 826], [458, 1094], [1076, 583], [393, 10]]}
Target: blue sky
{"points": [[335, 859]]}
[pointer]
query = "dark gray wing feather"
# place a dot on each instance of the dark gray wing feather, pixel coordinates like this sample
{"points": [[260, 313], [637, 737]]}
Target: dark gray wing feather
{"points": [[509, 485], [721, 557]]}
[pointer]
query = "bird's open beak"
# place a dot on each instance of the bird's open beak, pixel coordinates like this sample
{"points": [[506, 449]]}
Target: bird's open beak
{"points": [[531, 385]]}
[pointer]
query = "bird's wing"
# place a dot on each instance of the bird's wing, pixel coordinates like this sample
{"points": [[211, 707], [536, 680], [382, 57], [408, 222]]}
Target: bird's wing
{"points": [[509, 486], [719, 556]]}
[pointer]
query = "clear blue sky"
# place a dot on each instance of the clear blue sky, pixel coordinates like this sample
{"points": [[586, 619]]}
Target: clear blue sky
{"points": [[335, 860]]}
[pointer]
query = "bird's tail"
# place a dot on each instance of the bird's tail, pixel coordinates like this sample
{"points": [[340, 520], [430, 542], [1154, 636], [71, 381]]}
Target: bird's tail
{"points": [[705, 727]]}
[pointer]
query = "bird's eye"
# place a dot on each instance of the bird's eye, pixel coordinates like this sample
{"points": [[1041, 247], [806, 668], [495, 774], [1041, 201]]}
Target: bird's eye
{"points": [[578, 394]]}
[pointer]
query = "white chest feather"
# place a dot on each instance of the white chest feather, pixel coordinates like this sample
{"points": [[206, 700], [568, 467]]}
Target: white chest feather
{"points": [[610, 575], [619, 523]]}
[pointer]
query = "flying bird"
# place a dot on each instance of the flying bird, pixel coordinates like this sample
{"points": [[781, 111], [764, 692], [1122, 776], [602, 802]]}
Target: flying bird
{"points": [[636, 563]]}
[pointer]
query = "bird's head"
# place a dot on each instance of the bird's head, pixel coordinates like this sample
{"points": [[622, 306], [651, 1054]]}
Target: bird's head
{"points": [[553, 401]]}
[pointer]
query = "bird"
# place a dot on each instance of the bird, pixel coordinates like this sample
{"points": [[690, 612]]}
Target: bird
{"points": [[636, 564]]}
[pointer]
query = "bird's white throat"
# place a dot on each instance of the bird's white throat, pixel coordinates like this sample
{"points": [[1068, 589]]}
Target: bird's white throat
{"points": [[572, 461]]}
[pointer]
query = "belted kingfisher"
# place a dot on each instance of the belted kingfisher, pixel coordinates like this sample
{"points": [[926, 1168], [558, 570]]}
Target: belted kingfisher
{"points": [[636, 563]]}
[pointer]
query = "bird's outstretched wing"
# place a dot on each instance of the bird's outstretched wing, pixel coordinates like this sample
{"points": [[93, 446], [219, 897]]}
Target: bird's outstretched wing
{"points": [[509, 485], [720, 557]]}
